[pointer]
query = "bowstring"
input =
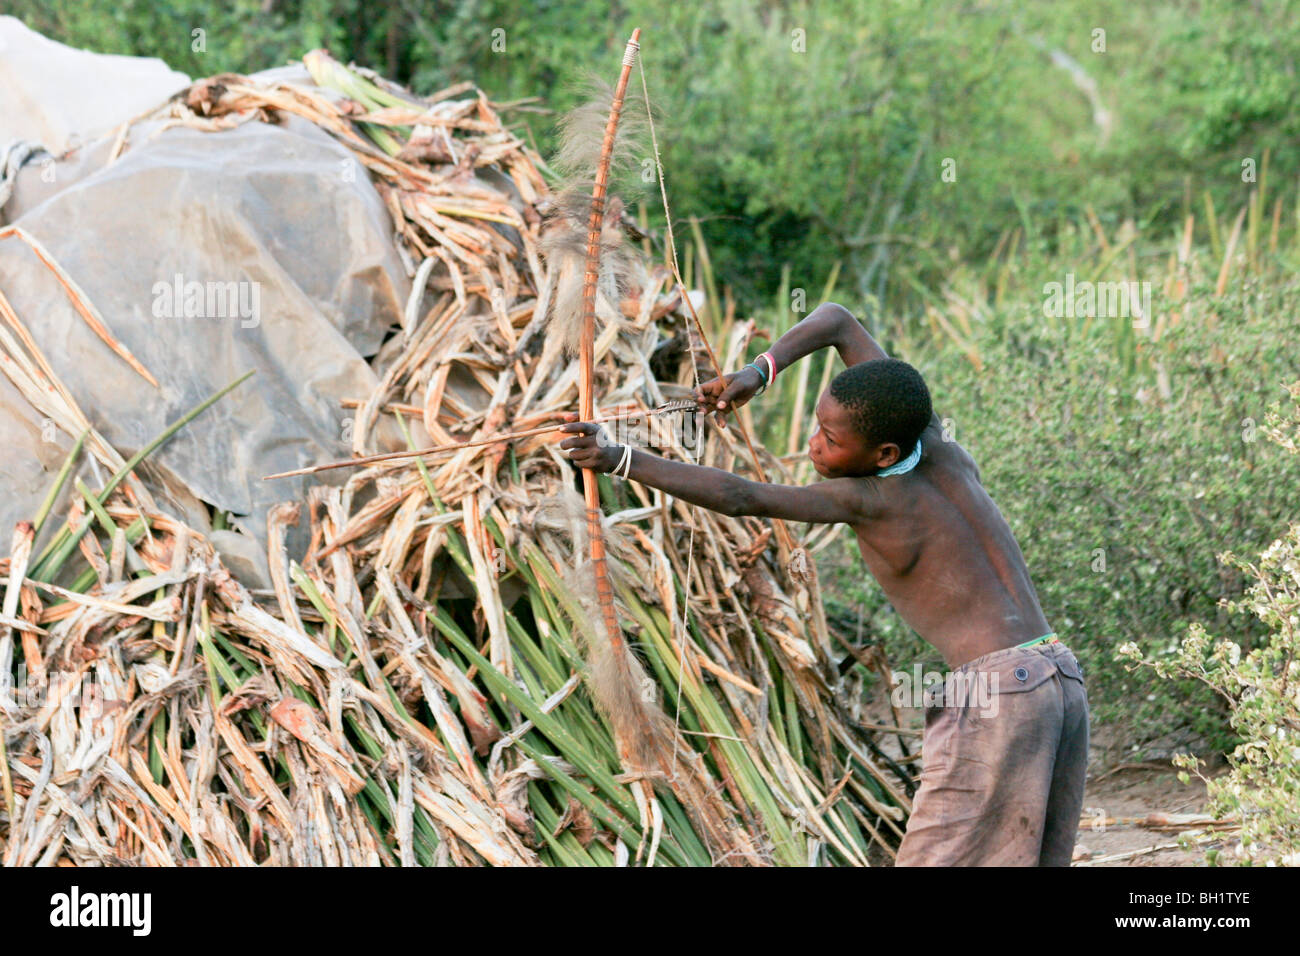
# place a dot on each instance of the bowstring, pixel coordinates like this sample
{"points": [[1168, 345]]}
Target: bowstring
{"points": [[695, 371]]}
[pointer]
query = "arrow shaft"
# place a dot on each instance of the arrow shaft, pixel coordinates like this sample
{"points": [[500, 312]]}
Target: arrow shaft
{"points": [[477, 442]]}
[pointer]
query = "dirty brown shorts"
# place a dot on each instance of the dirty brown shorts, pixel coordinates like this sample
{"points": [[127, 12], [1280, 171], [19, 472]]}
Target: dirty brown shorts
{"points": [[1002, 770]]}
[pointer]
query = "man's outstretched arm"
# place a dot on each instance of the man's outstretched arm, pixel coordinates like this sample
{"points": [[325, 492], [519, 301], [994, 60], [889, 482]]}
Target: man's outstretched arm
{"points": [[827, 502]]}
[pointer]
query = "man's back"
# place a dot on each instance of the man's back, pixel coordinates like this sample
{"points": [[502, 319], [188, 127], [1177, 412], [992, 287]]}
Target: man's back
{"points": [[946, 558]]}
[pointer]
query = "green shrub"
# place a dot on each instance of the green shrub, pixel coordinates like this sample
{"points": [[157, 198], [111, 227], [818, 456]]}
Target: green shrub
{"points": [[1261, 689]]}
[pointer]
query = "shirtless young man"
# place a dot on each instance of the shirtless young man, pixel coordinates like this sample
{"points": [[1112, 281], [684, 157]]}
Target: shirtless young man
{"points": [[1001, 781]]}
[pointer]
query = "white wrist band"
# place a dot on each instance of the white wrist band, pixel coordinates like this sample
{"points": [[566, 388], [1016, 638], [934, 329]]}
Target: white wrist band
{"points": [[624, 463]]}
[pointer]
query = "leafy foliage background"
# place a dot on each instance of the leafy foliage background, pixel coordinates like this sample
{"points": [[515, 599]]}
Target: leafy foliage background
{"points": [[803, 158]]}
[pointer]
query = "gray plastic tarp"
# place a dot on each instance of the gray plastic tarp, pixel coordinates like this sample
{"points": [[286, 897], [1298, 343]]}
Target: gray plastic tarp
{"points": [[274, 228]]}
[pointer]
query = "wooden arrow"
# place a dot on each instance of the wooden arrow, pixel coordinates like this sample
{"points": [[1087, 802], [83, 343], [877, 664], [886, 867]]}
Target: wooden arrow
{"points": [[680, 405]]}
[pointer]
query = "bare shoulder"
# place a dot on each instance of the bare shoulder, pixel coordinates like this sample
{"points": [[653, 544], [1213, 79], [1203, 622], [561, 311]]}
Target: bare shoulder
{"points": [[861, 497]]}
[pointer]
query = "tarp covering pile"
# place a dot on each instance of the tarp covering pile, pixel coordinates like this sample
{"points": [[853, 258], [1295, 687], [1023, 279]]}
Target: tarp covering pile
{"points": [[401, 669]]}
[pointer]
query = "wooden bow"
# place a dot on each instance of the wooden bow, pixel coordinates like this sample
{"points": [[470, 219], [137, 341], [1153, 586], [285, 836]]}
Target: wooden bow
{"points": [[586, 359]]}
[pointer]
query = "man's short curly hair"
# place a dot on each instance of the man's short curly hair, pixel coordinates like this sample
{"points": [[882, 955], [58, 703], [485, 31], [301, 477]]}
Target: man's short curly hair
{"points": [[887, 402]]}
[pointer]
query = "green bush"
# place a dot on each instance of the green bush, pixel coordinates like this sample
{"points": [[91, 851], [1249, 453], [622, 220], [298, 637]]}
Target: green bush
{"points": [[1261, 688]]}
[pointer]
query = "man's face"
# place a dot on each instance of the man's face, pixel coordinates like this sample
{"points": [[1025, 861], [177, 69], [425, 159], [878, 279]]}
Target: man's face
{"points": [[836, 449]]}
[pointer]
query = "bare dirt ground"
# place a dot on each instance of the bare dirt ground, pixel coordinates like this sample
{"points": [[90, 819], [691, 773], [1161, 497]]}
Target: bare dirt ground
{"points": [[1129, 790]]}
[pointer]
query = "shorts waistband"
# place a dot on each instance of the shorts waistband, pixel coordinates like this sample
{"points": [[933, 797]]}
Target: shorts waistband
{"points": [[1037, 646], [1048, 638]]}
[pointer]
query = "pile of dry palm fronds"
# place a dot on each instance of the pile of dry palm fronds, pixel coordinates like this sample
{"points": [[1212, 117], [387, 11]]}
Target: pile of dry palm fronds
{"points": [[422, 686]]}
